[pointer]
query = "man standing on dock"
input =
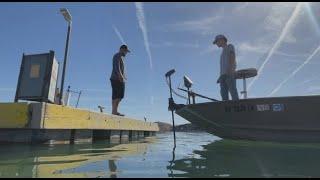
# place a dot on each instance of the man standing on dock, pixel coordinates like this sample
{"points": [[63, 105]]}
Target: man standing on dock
{"points": [[118, 78], [227, 78]]}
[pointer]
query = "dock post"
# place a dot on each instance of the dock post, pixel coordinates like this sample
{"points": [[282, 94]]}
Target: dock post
{"points": [[124, 136], [120, 136], [34, 136], [140, 134], [115, 136], [146, 133], [72, 136], [100, 135], [130, 135], [134, 135]]}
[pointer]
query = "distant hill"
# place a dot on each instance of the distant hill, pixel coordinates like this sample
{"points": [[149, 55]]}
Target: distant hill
{"points": [[187, 128], [164, 127]]}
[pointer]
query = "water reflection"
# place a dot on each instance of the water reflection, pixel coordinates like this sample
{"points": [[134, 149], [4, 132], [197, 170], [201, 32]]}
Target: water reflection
{"points": [[196, 155], [226, 158], [67, 160], [112, 168], [173, 159]]}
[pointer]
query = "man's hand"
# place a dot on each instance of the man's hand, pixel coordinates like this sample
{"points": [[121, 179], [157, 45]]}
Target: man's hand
{"points": [[219, 79]]}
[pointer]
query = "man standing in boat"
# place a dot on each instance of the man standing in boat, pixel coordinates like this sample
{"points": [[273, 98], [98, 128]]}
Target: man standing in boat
{"points": [[118, 78], [227, 78]]}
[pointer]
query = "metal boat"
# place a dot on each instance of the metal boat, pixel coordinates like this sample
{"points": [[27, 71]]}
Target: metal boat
{"points": [[290, 119], [280, 119]]}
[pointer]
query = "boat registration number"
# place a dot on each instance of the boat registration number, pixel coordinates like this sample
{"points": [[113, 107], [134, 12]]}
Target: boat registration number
{"points": [[255, 108]]}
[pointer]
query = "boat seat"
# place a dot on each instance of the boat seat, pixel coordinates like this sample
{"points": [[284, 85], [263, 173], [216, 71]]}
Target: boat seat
{"points": [[244, 74]]}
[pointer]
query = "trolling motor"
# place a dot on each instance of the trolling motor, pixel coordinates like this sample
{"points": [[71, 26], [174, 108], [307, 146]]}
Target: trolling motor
{"points": [[188, 83], [171, 103]]}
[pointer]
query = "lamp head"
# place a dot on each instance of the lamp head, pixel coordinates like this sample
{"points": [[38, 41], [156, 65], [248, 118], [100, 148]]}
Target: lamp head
{"points": [[66, 14], [169, 73]]}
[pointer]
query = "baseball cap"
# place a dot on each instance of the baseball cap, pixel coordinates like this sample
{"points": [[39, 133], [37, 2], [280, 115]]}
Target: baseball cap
{"points": [[220, 36], [125, 47]]}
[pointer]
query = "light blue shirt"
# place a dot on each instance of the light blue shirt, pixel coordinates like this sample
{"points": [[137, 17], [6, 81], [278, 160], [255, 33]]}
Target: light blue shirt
{"points": [[226, 66], [117, 66]]}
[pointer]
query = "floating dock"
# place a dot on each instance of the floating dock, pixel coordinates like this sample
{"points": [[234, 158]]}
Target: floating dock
{"points": [[41, 122]]}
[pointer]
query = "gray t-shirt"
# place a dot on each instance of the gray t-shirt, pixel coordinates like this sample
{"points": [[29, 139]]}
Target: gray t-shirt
{"points": [[117, 66], [227, 66]]}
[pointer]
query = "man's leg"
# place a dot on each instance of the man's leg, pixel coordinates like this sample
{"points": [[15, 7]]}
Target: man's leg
{"points": [[118, 102], [232, 86], [121, 95], [115, 96], [115, 104], [224, 90]]}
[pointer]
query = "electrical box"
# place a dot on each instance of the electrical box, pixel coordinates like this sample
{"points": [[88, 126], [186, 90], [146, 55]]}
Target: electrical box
{"points": [[38, 78]]}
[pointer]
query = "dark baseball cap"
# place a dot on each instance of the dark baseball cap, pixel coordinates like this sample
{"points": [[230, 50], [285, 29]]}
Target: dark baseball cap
{"points": [[125, 47], [220, 36]]}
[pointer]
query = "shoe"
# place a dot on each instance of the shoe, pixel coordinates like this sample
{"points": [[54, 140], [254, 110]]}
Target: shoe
{"points": [[119, 114]]}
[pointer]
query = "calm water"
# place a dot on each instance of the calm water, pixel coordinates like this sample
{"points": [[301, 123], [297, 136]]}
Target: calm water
{"points": [[196, 155]]}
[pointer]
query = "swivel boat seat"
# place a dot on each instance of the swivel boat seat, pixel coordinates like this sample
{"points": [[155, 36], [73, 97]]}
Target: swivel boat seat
{"points": [[244, 74]]}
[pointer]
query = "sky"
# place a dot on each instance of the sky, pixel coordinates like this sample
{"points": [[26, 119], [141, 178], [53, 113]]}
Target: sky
{"points": [[280, 39]]}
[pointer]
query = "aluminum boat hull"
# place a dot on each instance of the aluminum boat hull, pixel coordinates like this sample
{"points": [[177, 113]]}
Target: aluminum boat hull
{"points": [[281, 119]]}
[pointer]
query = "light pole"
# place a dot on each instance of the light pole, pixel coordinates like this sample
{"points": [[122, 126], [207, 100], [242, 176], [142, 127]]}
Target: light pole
{"points": [[67, 17]]}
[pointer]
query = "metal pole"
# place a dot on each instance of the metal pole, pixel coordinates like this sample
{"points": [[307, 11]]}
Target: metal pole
{"points": [[189, 102], [172, 115], [173, 159], [101, 108], [78, 99], [244, 88], [193, 98], [65, 63]]}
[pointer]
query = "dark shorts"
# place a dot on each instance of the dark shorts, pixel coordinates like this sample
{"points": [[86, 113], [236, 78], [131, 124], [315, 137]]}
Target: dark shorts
{"points": [[117, 89]]}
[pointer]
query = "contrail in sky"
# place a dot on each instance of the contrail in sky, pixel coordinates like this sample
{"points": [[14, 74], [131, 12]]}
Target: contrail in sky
{"points": [[295, 71], [118, 34], [142, 25], [277, 43]]}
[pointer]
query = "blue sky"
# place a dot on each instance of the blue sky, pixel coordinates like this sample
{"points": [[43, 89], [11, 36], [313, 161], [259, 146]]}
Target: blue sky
{"points": [[280, 39]]}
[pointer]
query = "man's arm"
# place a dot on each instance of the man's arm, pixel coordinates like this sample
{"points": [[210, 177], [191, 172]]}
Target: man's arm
{"points": [[232, 59], [116, 67], [121, 76]]}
